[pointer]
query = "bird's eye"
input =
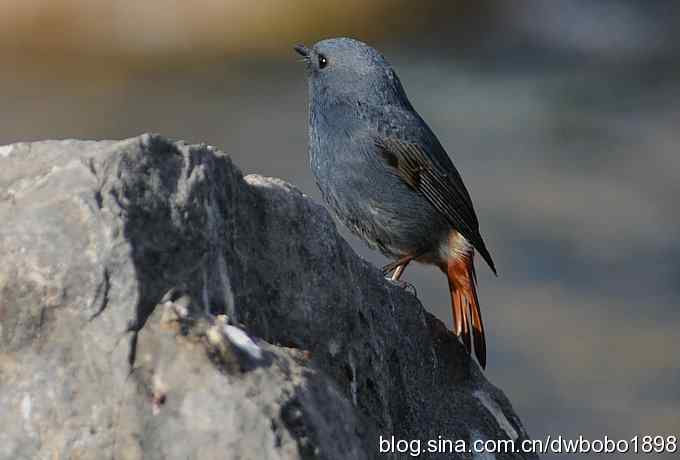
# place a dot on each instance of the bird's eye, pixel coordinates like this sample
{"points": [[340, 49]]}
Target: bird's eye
{"points": [[323, 62]]}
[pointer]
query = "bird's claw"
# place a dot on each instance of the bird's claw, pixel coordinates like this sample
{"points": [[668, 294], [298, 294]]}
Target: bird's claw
{"points": [[408, 287]]}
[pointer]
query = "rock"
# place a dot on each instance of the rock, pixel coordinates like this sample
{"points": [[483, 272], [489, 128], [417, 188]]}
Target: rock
{"points": [[155, 304]]}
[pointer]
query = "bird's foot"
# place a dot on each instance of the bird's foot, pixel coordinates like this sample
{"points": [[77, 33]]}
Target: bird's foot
{"points": [[408, 287]]}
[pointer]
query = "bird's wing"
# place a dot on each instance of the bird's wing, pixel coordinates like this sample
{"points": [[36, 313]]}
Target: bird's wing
{"points": [[433, 175]]}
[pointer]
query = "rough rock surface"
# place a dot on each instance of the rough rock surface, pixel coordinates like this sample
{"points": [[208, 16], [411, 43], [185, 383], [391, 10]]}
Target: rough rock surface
{"points": [[155, 304]]}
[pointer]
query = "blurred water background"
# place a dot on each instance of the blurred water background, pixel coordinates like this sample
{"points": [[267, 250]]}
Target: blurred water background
{"points": [[563, 118]]}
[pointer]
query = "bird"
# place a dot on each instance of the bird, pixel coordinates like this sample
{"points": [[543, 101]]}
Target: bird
{"points": [[386, 177]]}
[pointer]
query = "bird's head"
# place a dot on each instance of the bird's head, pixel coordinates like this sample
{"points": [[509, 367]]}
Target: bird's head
{"points": [[351, 71]]}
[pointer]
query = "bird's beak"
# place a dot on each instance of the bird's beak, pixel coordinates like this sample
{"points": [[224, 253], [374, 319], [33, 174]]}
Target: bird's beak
{"points": [[302, 50]]}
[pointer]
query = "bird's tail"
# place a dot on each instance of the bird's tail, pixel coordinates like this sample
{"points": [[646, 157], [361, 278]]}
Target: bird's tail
{"points": [[467, 318]]}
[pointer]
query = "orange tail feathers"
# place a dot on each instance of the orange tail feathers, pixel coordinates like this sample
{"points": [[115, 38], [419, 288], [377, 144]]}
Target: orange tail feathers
{"points": [[467, 318]]}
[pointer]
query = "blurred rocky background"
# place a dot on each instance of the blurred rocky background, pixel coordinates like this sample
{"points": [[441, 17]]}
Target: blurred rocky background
{"points": [[562, 117]]}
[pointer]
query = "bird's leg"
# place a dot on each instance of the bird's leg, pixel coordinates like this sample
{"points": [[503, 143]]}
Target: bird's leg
{"points": [[399, 270], [389, 268], [393, 266]]}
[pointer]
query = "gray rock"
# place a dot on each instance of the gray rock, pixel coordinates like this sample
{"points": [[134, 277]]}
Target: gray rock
{"points": [[155, 304]]}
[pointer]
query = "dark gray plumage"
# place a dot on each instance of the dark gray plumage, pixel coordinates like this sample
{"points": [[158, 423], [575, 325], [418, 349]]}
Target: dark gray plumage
{"points": [[386, 176]]}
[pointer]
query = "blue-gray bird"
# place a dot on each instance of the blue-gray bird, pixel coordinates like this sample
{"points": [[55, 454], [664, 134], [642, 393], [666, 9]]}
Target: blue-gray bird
{"points": [[385, 175]]}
